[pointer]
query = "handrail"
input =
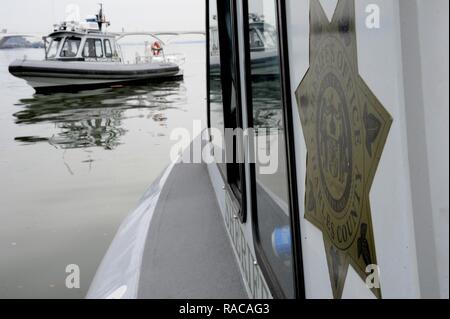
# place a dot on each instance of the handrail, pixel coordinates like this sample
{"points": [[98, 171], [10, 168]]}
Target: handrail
{"points": [[156, 35]]}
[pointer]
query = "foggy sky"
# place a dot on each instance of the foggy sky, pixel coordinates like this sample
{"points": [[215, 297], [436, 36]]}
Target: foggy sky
{"points": [[38, 16]]}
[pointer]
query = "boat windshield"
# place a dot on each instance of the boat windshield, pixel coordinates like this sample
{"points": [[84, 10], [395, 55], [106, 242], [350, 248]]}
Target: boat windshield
{"points": [[53, 48], [71, 47]]}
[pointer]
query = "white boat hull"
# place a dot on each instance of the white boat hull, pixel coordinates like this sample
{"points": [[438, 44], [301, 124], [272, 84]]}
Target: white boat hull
{"points": [[46, 76]]}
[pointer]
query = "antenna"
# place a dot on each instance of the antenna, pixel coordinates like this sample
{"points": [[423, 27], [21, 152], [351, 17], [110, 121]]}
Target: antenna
{"points": [[101, 19]]}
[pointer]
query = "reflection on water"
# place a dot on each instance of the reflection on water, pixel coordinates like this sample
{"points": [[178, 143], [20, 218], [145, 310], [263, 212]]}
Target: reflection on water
{"points": [[94, 118]]}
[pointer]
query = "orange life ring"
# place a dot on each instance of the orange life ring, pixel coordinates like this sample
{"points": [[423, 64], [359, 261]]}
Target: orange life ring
{"points": [[156, 48]]}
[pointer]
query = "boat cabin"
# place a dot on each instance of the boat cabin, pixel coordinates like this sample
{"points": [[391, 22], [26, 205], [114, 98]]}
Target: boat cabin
{"points": [[85, 40], [82, 46]]}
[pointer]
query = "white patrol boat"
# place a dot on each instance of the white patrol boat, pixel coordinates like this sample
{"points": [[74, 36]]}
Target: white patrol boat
{"points": [[80, 55]]}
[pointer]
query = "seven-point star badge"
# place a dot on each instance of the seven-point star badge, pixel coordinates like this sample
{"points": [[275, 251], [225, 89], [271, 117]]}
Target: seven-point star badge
{"points": [[345, 129]]}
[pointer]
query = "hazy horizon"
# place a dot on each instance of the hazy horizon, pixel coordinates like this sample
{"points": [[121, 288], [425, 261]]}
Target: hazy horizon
{"points": [[38, 16]]}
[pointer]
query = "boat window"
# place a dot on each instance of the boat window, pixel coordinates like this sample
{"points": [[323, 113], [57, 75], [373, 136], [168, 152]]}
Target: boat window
{"points": [[54, 47], [71, 47], [271, 182], [231, 94], [108, 51], [216, 112], [93, 48]]}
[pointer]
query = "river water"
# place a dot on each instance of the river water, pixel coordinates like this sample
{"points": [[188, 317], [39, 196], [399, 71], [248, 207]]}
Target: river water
{"points": [[72, 166]]}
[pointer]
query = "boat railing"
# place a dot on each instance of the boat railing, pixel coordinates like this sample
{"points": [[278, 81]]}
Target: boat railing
{"points": [[148, 57]]}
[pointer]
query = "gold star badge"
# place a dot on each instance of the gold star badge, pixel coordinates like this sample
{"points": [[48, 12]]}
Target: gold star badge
{"points": [[345, 129]]}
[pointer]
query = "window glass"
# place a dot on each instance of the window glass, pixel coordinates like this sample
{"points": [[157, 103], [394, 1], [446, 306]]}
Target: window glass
{"points": [[53, 48], [255, 40], [108, 51], [70, 48], [272, 196], [230, 89], [98, 48], [230, 78], [93, 48], [269, 37], [215, 95], [262, 36]]}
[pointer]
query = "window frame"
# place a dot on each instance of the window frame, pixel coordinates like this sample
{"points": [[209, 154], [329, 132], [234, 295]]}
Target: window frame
{"points": [[286, 101], [95, 40], [271, 279], [221, 166], [106, 55], [70, 38], [235, 187], [58, 48]]}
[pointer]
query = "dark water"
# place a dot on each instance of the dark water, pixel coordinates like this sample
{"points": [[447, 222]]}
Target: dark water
{"points": [[72, 166]]}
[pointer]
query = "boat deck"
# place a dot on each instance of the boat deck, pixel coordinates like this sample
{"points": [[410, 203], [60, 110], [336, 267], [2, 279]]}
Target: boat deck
{"points": [[188, 253]]}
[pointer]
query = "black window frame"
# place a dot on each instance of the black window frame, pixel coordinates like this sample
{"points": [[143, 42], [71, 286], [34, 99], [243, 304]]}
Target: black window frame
{"points": [[222, 166], [286, 99], [208, 64], [235, 172]]}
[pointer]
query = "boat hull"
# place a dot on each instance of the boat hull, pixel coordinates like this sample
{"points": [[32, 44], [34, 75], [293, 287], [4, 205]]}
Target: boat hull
{"points": [[56, 76]]}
